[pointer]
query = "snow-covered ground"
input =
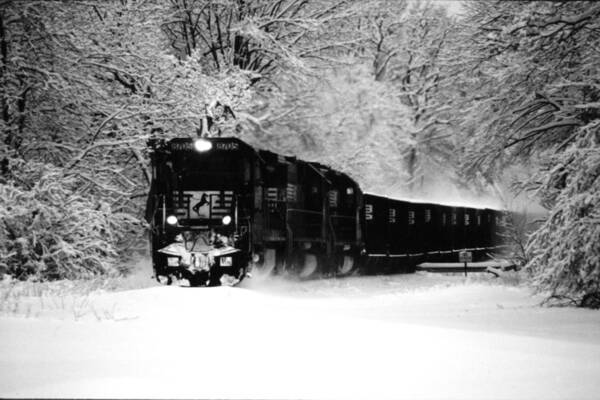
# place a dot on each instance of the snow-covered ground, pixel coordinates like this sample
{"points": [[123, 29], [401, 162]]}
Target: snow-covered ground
{"points": [[404, 336]]}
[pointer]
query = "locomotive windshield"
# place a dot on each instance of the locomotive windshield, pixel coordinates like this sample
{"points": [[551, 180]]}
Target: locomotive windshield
{"points": [[195, 170]]}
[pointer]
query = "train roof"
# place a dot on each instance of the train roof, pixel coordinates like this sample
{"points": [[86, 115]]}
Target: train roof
{"points": [[314, 164], [324, 170], [424, 201]]}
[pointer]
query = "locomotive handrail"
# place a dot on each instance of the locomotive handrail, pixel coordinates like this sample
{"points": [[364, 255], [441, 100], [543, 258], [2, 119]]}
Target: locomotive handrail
{"points": [[319, 172], [300, 210], [303, 211], [343, 217]]}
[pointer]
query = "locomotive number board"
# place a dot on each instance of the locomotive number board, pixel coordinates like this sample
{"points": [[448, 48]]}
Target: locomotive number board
{"points": [[189, 146]]}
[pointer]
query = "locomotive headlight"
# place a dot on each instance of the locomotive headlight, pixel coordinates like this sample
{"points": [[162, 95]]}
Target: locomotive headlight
{"points": [[172, 220], [202, 145], [225, 262], [226, 220]]}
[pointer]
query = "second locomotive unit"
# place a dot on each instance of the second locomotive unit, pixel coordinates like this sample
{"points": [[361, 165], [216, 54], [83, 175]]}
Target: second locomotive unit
{"points": [[218, 208]]}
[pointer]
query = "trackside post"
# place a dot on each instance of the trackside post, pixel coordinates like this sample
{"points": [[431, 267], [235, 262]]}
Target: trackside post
{"points": [[465, 257]]}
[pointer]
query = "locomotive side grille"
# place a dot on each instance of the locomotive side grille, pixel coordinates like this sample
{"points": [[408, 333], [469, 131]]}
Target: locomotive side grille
{"points": [[277, 195], [272, 194], [272, 199], [291, 192]]}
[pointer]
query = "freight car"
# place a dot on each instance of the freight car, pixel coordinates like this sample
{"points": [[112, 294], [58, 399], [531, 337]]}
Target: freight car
{"points": [[219, 208]]}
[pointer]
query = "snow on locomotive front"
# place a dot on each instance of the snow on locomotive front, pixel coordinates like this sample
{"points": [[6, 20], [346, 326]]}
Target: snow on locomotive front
{"points": [[199, 210]]}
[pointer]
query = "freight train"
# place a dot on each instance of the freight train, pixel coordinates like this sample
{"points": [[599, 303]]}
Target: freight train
{"points": [[220, 209]]}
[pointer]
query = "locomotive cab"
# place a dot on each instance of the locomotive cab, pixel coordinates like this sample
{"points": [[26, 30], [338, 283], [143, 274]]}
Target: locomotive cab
{"points": [[199, 209]]}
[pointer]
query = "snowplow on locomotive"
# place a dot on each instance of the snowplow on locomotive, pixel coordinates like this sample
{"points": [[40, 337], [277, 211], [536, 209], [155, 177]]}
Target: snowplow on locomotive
{"points": [[219, 209]]}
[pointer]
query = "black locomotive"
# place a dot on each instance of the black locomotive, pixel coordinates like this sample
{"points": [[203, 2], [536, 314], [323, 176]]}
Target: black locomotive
{"points": [[219, 209]]}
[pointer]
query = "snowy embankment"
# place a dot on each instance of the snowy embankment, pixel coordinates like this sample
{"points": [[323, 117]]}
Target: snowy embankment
{"points": [[406, 336]]}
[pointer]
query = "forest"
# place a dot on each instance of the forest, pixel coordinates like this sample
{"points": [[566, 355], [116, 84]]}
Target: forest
{"points": [[410, 98]]}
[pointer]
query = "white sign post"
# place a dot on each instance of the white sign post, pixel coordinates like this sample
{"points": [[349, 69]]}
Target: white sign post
{"points": [[465, 257]]}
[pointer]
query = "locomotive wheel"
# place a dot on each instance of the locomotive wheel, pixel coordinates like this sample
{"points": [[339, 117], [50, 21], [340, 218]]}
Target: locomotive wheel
{"points": [[309, 265], [264, 268], [346, 265]]}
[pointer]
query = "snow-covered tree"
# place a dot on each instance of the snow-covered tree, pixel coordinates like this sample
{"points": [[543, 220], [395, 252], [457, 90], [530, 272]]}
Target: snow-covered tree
{"points": [[259, 36], [408, 45], [50, 231], [421, 74], [532, 69], [346, 119], [85, 84]]}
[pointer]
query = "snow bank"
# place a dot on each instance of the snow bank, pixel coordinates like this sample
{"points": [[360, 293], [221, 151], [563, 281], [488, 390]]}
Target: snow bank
{"points": [[410, 336]]}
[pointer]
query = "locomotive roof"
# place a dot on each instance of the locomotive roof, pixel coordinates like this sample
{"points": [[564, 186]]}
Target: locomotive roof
{"points": [[317, 166], [262, 152], [240, 142]]}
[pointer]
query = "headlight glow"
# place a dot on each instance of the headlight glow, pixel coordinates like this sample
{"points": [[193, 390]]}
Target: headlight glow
{"points": [[226, 220], [172, 220], [202, 145], [225, 262]]}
